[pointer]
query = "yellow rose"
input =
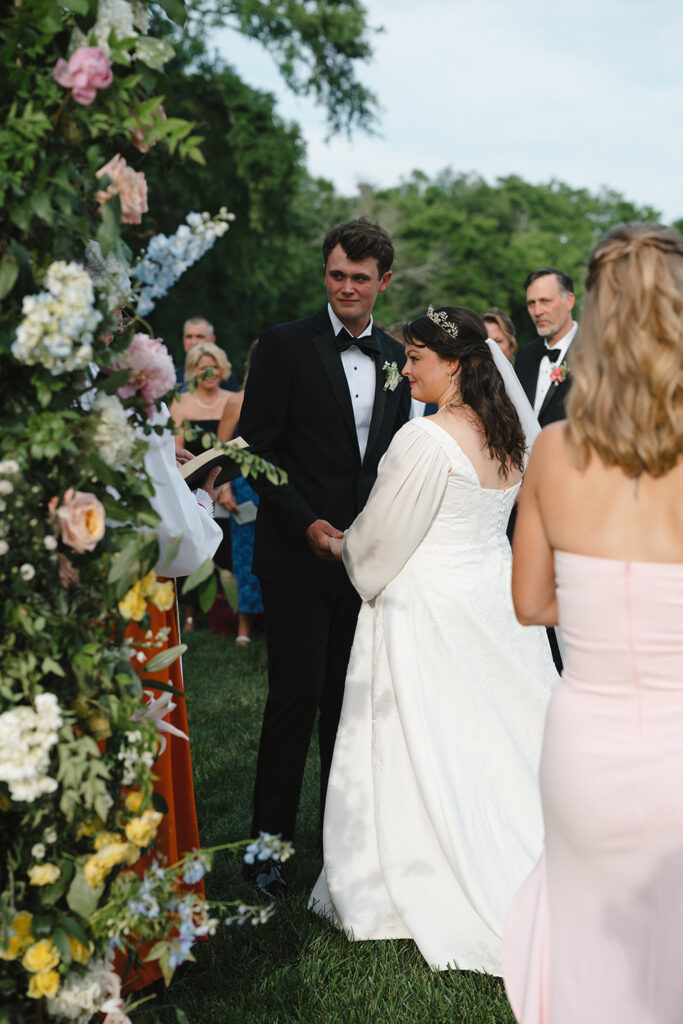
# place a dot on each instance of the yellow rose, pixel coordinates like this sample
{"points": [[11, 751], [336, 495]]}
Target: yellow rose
{"points": [[103, 839], [88, 826], [133, 605], [142, 830], [98, 866], [20, 936], [43, 874], [148, 583], [80, 953], [41, 956], [44, 983], [163, 596], [134, 801]]}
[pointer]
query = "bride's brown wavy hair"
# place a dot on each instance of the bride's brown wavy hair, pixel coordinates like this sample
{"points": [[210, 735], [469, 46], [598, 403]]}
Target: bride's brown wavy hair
{"points": [[626, 400], [481, 385]]}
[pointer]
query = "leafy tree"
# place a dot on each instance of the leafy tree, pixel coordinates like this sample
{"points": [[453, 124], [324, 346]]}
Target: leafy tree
{"points": [[460, 240], [316, 44]]}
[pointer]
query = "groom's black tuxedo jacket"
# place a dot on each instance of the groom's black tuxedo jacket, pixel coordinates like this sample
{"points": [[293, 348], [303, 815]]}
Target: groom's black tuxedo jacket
{"points": [[526, 367], [297, 413]]}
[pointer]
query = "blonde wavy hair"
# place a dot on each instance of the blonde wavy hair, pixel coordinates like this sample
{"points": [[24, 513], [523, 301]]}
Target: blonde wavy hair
{"points": [[626, 400], [206, 348]]}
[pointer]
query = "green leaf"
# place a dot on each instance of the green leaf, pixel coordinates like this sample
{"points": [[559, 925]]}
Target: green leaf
{"points": [[70, 925], [159, 804], [198, 576], [41, 925], [114, 381], [81, 897], [165, 658], [109, 230], [61, 941], [41, 206], [49, 894], [166, 687], [175, 10], [9, 272], [207, 593], [77, 6]]}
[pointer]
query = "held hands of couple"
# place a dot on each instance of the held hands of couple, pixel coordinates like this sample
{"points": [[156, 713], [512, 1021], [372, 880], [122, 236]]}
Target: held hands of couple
{"points": [[325, 541]]}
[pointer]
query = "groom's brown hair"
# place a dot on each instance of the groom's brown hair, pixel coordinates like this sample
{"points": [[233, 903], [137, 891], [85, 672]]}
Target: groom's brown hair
{"points": [[361, 240]]}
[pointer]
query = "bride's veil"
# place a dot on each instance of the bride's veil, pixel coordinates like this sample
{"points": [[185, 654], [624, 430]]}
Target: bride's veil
{"points": [[515, 393], [527, 418]]}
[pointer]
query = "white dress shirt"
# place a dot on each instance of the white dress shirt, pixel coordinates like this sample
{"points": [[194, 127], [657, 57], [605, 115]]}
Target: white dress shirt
{"points": [[545, 367], [359, 368]]}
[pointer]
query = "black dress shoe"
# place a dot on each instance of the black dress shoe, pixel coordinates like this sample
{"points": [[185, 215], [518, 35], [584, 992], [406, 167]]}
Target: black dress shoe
{"points": [[267, 876]]}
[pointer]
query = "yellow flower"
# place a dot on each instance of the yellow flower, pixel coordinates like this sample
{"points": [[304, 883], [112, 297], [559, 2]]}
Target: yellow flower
{"points": [[163, 596], [142, 830], [148, 583], [44, 983], [43, 874], [105, 838], [133, 605], [88, 826], [5, 802], [98, 866], [80, 953], [20, 936], [134, 801], [41, 956]]}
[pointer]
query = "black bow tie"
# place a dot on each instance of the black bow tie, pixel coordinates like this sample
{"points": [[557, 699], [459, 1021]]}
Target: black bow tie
{"points": [[552, 353], [367, 344]]}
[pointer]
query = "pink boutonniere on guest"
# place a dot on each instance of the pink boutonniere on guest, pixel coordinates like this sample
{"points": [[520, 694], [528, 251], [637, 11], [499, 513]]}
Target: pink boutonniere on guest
{"points": [[559, 374]]}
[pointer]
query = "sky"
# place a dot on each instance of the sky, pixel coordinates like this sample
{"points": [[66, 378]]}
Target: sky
{"points": [[589, 92]]}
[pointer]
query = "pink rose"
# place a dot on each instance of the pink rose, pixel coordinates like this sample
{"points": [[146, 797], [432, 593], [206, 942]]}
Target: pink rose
{"points": [[80, 519], [152, 374], [129, 185], [87, 71]]}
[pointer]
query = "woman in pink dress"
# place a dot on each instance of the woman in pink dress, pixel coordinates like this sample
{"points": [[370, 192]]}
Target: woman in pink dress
{"points": [[593, 935]]}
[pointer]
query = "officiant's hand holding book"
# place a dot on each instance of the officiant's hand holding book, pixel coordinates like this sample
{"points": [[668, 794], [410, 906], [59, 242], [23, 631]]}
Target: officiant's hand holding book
{"points": [[195, 471]]}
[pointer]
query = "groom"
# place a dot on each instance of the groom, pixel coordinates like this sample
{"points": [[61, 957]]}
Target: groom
{"points": [[320, 402]]}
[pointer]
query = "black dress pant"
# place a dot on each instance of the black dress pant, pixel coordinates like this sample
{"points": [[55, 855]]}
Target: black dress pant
{"points": [[309, 637]]}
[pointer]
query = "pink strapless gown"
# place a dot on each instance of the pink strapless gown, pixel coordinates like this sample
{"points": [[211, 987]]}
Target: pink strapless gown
{"points": [[594, 934]]}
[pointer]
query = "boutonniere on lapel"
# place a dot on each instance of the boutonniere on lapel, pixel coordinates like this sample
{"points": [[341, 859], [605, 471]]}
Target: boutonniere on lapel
{"points": [[559, 374], [392, 376]]}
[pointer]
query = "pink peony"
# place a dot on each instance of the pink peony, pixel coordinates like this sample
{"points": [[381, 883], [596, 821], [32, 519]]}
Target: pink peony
{"points": [[129, 185], [87, 71], [152, 374], [80, 519]]}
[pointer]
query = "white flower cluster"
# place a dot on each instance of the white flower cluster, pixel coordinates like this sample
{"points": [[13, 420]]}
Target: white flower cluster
{"points": [[81, 995], [166, 259], [113, 436], [126, 19], [58, 325], [131, 754], [27, 736]]}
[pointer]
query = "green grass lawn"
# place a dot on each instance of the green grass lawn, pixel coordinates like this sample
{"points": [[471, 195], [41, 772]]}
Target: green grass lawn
{"points": [[296, 968]]}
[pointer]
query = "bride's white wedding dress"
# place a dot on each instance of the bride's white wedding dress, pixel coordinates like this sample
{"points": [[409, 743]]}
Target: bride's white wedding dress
{"points": [[433, 815]]}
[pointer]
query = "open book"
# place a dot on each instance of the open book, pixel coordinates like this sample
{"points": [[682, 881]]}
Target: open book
{"points": [[195, 471]]}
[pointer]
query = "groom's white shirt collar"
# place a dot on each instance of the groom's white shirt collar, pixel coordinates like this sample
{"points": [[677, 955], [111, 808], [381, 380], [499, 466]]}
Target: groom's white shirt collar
{"points": [[338, 326]]}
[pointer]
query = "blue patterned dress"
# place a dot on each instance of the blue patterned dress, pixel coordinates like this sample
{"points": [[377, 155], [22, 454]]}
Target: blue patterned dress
{"points": [[242, 537]]}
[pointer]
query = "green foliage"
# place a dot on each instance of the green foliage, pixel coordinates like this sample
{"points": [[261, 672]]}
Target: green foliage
{"points": [[462, 241], [271, 269], [316, 45]]}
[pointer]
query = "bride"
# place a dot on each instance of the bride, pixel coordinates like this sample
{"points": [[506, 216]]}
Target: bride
{"points": [[433, 814]]}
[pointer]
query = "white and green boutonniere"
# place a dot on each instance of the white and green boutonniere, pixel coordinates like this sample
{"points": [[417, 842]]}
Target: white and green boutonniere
{"points": [[392, 376]]}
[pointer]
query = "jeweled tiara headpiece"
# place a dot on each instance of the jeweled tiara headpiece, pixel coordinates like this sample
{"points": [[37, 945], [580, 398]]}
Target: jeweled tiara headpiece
{"points": [[441, 320]]}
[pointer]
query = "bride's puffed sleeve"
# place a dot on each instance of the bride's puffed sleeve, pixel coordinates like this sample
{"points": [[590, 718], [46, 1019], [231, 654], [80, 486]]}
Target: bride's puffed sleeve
{"points": [[402, 504], [183, 513]]}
